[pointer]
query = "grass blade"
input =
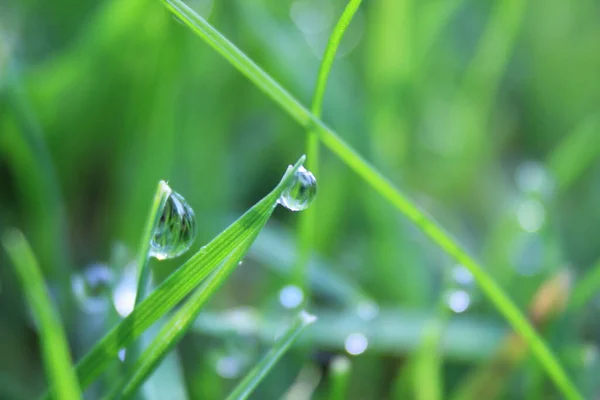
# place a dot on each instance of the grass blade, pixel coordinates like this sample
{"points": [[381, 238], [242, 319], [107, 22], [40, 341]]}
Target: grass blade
{"points": [[587, 287], [55, 349], [382, 185], [308, 220], [340, 371], [260, 370], [143, 284], [179, 284], [178, 324]]}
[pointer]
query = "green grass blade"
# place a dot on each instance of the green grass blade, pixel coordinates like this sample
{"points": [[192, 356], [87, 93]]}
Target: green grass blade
{"points": [[260, 370], [382, 185], [307, 222], [574, 155], [55, 349], [179, 323], [340, 371], [143, 284], [587, 287], [179, 284], [158, 204]]}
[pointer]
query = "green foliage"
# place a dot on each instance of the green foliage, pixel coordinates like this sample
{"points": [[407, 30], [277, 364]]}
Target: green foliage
{"points": [[54, 345], [476, 112]]}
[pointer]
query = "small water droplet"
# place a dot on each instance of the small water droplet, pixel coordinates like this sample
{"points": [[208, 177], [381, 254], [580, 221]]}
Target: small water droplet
{"points": [[91, 288], [291, 296], [229, 367], [301, 191], [176, 229], [356, 344], [125, 291], [121, 354], [367, 310], [458, 301], [531, 215], [462, 275]]}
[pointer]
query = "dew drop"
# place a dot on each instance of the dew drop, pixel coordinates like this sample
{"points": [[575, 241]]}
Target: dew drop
{"points": [[367, 310], [301, 191], [176, 229], [356, 344], [462, 275], [459, 301], [291, 296], [91, 288], [125, 291], [229, 367]]}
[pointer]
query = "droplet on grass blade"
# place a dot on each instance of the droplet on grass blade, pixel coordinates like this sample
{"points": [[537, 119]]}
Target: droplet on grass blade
{"points": [[176, 229], [301, 191]]}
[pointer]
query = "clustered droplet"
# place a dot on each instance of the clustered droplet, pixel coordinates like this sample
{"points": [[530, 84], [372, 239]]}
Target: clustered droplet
{"points": [[301, 191], [176, 229]]}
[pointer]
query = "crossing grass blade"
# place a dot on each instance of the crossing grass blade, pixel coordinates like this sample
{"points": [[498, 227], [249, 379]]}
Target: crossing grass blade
{"points": [[55, 349], [382, 185], [262, 368], [307, 223], [178, 325], [180, 283]]}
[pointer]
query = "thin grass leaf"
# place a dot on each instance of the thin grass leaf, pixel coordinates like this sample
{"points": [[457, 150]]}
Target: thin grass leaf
{"points": [[586, 288], [55, 349], [391, 332], [574, 155], [143, 284], [260, 370], [180, 283], [382, 185], [170, 334], [307, 221], [340, 371]]}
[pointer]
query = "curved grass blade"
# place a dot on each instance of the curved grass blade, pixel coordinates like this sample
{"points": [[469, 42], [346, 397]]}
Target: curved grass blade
{"points": [[307, 221], [178, 324], [260, 370], [55, 349], [179, 284], [382, 185]]}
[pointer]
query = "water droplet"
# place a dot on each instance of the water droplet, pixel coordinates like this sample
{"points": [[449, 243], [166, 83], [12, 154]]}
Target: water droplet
{"points": [[531, 215], [356, 344], [229, 367], [301, 191], [291, 296], [125, 291], [176, 229], [91, 288], [121, 354], [367, 310], [462, 275], [459, 300]]}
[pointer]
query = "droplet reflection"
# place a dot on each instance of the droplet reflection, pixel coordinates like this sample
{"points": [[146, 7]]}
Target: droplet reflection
{"points": [[301, 191], [176, 229]]}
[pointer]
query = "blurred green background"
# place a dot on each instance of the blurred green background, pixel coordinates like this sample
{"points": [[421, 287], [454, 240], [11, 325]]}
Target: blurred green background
{"points": [[484, 112]]}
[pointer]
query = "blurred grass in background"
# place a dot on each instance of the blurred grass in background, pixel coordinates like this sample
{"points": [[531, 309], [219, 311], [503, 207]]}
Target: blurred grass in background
{"points": [[485, 112]]}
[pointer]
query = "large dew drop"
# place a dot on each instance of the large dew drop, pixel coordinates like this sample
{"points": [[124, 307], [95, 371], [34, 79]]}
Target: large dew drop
{"points": [[176, 229], [301, 191]]}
